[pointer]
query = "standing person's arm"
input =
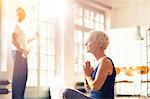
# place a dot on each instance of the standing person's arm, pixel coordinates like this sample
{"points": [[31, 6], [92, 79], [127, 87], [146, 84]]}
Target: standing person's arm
{"points": [[32, 38], [24, 51], [16, 43]]}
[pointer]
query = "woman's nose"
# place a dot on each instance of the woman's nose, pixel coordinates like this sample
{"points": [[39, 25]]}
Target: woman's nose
{"points": [[86, 43]]}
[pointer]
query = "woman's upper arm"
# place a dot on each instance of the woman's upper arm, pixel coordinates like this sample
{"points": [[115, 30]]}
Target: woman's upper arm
{"points": [[101, 74], [15, 32], [14, 36]]}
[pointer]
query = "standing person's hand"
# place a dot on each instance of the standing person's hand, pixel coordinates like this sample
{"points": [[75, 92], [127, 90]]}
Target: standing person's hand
{"points": [[36, 35], [25, 52], [87, 69]]}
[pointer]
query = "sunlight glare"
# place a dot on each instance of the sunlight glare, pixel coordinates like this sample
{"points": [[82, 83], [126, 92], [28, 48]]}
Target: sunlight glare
{"points": [[56, 8]]}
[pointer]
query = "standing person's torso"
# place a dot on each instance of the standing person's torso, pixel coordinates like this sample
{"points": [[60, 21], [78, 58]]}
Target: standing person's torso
{"points": [[107, 90], [21, 37]]}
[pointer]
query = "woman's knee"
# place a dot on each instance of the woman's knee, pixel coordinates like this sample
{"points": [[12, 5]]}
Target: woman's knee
{"points": [[67, 92]]}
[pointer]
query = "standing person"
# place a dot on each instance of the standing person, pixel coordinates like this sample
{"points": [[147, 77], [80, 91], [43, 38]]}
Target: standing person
{"points": [[19, 53], [99, 82]]}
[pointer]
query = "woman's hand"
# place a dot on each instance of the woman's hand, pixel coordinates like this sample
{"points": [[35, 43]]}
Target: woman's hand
{"points": [[25, 52], [36, 35], [87, 69]]}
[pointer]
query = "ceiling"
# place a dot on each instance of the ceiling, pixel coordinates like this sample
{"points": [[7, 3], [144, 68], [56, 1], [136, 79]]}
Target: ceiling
{"points": [[123, 3]]}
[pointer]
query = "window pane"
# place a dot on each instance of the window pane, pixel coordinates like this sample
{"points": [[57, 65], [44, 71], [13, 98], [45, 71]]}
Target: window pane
{"points": [[86, 13], [78, 36], [102, 18], [78, 53], [51, 63], [46, 77], [43, 78], [97, 26], [91, 15], [51, 31], [97, 17], [78, 20], [78, 44], [102, 27], [33, 47], [43, 61], [32, 61], [89, 19], [32, 79], [78, 50], [89, 23], [43, 30], [43, 48], [79, 11], [78, 68], [50, 77], [78, 61], [31, 26], [86, 34], [51, 47]]}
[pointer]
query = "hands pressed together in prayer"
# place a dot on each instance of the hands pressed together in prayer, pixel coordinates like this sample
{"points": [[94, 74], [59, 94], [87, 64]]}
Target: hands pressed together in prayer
{"points": [[87, 69]]}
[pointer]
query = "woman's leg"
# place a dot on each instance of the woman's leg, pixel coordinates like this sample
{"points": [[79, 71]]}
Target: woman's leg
{"points": [[19, 75], [74, 94]]}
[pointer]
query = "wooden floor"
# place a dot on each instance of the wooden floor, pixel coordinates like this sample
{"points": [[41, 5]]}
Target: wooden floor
{"points": [[132, 97]]}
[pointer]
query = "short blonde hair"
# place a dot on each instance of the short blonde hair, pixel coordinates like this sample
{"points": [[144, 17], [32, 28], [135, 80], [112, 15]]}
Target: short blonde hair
{"points": [[20, 11], [101, 37]]}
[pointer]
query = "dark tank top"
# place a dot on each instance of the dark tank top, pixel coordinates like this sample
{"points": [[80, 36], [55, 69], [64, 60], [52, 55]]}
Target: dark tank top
{"points": [[107, 90]]}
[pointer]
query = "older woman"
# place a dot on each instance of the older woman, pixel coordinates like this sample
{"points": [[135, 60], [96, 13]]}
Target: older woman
{"points": [[100, 80]]}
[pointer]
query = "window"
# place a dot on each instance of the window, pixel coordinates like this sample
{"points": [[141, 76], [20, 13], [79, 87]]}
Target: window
{"points": [[86, 19], [42, 58]]}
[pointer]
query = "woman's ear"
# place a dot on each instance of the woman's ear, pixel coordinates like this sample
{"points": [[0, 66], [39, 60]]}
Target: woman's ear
{"points": [[101, 44]]}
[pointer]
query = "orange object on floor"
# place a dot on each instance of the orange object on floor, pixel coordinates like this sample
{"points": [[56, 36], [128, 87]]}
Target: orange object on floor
{"points": [[142, 69], [118, 69], [129, 71]]}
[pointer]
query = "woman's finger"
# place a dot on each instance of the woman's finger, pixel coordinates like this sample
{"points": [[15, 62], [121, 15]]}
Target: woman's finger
{"points": [[88, 64]]}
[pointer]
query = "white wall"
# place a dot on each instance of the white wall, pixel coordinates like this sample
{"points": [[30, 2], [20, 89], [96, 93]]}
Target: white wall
{"points": [[131, 16], [126, 50]]}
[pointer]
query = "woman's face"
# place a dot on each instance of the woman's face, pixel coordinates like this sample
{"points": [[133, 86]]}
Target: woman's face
{"points": [[91, 45]]}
